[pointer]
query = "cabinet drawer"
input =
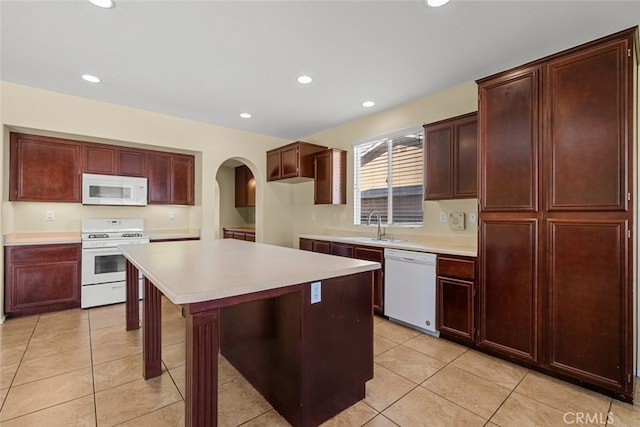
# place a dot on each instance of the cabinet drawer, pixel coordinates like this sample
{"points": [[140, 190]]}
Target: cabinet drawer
{"points": [[47, 253], [456, 267]]}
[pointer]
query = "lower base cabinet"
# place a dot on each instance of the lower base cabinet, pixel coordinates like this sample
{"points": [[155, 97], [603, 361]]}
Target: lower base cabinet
{"points": [[366, 253], [455, 295], [242, 233], [41, 278]]}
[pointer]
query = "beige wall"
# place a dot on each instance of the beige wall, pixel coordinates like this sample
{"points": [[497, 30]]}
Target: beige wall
{"points": [[50, 113], [312, 219]]}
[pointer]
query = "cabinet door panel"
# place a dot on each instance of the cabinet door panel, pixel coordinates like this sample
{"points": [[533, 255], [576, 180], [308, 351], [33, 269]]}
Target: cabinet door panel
{"points": [[321, 246], [438, 163], [589, 307], [241, 186], [586, 145], [455, 307], [273, 165], [509, 142], [182, 180], [44, 284], [289, 158], [508, 286], [466, 159], [159, 185], [306, 244], [132, 163], [100, 159], [376, 255], [322, 178], [45, 169], [342, 249]]}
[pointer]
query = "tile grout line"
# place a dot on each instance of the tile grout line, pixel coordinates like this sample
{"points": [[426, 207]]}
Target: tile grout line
{"points": [[93, 378], [4, 401]]}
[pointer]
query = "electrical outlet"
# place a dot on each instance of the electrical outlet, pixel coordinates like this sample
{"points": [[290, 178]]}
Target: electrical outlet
{"points": [[172, 215], [313, 216], [316, 292], [50, 215], [472, 217], [443, 217]]}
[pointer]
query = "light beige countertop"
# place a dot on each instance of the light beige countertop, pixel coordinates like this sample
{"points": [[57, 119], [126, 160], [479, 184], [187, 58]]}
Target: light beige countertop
{"points": [[203, 270], [463, 246], [53, 237], [41, 238], [173, 234]]}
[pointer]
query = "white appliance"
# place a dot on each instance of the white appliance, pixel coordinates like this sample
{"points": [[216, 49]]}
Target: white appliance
{"points": [[113, 190], [410, 288], [103, 265]]}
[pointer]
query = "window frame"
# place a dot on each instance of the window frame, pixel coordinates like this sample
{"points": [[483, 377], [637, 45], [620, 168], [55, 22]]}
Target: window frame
{"points": [[388, 139]]}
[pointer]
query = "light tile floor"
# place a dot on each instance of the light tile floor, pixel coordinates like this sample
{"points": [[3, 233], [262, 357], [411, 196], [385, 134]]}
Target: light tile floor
{"points": [[81, 368]]}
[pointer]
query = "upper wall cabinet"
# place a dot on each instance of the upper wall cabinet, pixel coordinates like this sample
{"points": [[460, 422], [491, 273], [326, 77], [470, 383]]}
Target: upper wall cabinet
{"points": [[245, 187], [113, 160], [293, 162], [451, 158], [171, 179], [45, 169], [330, 177]]}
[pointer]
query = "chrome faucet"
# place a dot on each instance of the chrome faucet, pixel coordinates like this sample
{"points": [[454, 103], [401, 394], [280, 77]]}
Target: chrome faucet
{"points": [[379, 232]]}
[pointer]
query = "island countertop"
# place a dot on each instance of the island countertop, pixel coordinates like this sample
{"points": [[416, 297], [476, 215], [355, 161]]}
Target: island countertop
{"points": [[195, 271]]}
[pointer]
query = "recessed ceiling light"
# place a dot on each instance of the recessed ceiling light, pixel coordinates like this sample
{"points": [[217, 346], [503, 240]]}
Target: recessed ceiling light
{"points": [[304, 80], [368, 104], [436, 3], [105, 4], [245, 115], [90, 78]]}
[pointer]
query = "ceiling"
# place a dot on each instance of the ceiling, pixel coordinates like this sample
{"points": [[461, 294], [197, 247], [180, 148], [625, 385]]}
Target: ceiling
{"points": [[212, 60]]}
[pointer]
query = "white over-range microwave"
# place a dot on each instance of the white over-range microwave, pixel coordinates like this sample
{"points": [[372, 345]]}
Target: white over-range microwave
{"points": [[113, 190]]}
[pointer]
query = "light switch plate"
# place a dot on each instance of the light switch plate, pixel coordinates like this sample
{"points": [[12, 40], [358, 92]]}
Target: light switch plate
{"points": [[456, 220]]}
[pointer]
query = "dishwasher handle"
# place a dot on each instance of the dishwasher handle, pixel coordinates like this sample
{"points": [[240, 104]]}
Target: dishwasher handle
{"points": [[410, 256]]}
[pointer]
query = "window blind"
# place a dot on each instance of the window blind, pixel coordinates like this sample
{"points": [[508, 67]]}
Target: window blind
{"points": [[388, 178]]}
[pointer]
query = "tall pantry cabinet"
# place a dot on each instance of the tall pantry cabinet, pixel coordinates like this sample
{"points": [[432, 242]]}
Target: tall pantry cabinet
{"points": [[556, 212]]}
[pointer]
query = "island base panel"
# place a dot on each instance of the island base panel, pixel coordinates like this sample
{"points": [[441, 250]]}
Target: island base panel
{"points": [[151, 331], [201, 371], [310, 361], [132, 307]]}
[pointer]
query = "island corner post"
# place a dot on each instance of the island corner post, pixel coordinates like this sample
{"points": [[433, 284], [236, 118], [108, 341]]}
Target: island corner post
{"points": [[319, 355]]}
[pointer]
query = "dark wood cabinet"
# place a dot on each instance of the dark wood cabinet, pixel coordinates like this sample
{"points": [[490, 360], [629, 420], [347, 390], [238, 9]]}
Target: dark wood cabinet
{"points": [[61, 162], [555, 247], [41, 278], [44, 169], [245, 186], [171, 179], [370, 253], [330, 177], [450, 158], [342, 249], [509, 287], [182, 179], [100, 159], [239, 233], [367, 253], [132, 162], [455, 295], [159, 185], [292, 162]]}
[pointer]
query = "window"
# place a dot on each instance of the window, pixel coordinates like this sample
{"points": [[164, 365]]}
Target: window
{"points": [[388, 178]]}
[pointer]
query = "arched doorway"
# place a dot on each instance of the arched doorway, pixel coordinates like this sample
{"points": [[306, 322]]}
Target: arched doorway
{"points": [[237, 199]]}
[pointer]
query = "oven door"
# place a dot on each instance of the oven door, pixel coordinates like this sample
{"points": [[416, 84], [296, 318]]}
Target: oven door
{"points": [[103, 265]]}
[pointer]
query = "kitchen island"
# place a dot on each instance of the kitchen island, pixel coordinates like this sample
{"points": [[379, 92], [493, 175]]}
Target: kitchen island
{"points": [[297, 325]]}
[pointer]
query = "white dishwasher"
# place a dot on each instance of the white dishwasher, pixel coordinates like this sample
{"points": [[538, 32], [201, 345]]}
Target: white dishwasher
{"points": [[410, 288]]}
